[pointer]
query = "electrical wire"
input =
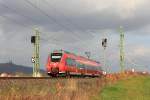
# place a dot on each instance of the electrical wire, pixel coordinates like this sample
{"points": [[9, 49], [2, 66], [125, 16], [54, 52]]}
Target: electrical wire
{"points": [[66, 17], [14, 21], [135, 64], [84, 43], [13, 10], [50, 17], [55, 21], [27, 17]]}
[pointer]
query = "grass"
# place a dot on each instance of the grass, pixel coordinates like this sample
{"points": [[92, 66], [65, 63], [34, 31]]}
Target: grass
{"points": [[52, 89], [116, 87], [134, 88]]}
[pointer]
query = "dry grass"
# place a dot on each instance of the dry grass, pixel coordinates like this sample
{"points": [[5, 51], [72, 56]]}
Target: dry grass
{"points": [[52, 89], [58, 89]]}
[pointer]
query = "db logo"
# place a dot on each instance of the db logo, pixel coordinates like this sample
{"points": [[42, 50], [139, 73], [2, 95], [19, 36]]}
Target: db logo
{"points": [[33, 59]]}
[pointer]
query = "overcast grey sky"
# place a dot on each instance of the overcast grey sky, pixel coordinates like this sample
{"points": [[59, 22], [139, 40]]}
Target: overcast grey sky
{"points": [[76, 26]]}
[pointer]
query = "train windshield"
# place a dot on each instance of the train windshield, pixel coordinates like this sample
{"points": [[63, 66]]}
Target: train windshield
{"points": [[56, 57]]}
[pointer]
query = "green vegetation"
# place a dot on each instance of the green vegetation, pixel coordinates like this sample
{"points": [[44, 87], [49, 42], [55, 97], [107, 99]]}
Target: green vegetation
{"points": [[135, 88]]}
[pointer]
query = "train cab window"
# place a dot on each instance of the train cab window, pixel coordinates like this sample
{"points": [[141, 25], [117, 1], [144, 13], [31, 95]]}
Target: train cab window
{"points": [[99, 68], [68, 61], [56, 57]]}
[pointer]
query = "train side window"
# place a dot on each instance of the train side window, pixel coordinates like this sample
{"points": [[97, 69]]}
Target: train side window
{"points": [[99, 67], [88, 67], [83, 66], [71, 62], [78, 65]]}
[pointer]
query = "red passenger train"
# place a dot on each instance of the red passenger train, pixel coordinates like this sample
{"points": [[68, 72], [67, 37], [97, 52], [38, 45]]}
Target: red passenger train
{"points": [[68, 64]]}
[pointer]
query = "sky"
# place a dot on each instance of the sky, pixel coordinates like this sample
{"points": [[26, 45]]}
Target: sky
{"points": [[76, 26]]}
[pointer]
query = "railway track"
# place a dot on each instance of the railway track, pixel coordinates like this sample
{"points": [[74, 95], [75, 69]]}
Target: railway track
{"points": [[25, 78]]}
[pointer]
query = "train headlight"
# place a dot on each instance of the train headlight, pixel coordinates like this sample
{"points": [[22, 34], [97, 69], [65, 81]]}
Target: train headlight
{"points": [[104, 73]]}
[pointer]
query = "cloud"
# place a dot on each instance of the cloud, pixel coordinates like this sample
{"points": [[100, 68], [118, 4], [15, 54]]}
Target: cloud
{"points": [[80, 16], [73, 25]]}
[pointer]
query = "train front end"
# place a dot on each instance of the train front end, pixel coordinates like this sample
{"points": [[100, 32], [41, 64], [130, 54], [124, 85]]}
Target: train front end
{"points": [[55, 65]]}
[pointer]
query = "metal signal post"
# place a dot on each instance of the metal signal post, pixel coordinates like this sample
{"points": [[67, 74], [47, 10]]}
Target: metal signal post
{"points": [[36, 57], [104, 45], [122, 62]]}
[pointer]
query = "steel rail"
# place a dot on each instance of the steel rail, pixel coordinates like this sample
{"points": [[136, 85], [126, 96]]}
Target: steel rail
{"points": [[3, 78], [25, 78]]}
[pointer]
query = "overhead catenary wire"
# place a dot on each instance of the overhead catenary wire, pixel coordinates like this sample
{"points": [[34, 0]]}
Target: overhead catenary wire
{"points": [[55, 21], [136, 65], [23, 25], [26, 17], [15, 11], [51, 19], [15, 21], [68, 20], [132, 62]]}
